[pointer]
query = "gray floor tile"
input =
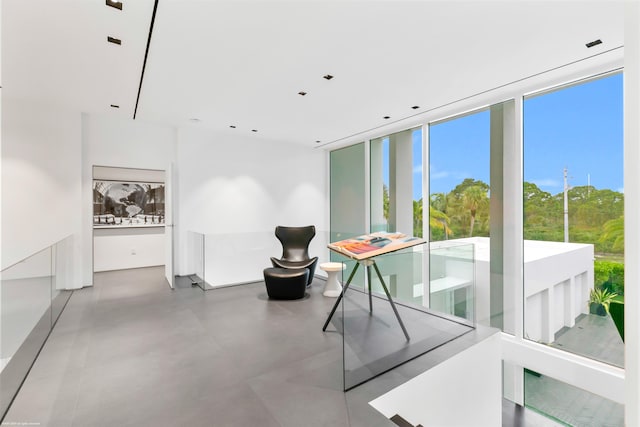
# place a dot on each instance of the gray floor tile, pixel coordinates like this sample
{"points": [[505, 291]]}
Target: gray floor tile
{"points": [[132, 352]]}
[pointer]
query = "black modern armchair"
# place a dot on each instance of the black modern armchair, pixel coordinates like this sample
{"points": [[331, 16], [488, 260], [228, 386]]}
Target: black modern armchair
{"points": [[295, 249]]}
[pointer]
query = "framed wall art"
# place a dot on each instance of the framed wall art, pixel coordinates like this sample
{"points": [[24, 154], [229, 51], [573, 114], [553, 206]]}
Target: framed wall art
{"points": [[128, 204]]}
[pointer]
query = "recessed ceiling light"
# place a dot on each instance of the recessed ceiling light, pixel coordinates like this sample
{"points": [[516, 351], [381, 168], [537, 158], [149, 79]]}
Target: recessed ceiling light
{"points": [[195, 120], [317, 142], [302, 93], [594, 43], [415, 107], [114, 3], [232, 127], [115, 106], [386, 117], [328, 76], [254, 130], [114, 40]]}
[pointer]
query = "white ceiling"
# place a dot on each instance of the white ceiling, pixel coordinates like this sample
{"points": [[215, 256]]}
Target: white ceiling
{"points": [[243, 63]]}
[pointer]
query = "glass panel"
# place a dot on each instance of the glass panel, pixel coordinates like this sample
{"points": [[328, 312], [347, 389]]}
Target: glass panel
{"points": [[62, 276], [374, 335], [347, 197], [227, 259], [459, 184], [236, 258], [573, 215], [568, 404], [26, 301], [396, 183], [460, 202], [196, 259], [452, 279], [32, 297]]}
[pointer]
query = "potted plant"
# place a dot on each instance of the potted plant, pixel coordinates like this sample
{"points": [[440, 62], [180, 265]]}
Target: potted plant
{"points": [[599, 300]]}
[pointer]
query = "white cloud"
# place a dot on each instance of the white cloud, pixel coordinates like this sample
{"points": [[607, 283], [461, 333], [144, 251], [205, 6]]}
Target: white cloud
{"points": [[620, 190], [439, 175], [434, 174], [417, 169], [547, 182]]}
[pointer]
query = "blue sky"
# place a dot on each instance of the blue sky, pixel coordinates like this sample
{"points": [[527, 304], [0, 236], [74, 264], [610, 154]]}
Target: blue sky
{"points": [[459, 149], [579, 127]]}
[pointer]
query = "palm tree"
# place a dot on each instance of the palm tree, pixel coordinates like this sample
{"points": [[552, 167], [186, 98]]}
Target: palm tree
{"points": [[614, 230], [417, 218], [473, 198], [439, 202], [439, 219]]}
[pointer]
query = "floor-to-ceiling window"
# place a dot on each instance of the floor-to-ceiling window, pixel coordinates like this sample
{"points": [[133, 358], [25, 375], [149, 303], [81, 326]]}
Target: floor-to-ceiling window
{"points": [[571, 146], [459, 172], [459, 177], [573, 228]]}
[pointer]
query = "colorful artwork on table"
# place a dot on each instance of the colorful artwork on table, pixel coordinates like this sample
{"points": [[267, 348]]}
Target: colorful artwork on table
{"points": [[369, 245]]}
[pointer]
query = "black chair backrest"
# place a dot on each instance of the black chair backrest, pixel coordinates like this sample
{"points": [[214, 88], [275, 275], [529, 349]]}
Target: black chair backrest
{"points": [[295, 241]]}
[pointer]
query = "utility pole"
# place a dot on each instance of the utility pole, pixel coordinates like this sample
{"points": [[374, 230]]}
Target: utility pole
{"points": [[566, 207]]}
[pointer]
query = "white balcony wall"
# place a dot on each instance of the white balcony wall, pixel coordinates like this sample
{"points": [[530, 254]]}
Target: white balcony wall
{"points": [[558, 277]]}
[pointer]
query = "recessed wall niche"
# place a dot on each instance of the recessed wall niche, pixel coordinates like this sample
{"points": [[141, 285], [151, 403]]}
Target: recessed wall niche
{"points": [[128, 218]]}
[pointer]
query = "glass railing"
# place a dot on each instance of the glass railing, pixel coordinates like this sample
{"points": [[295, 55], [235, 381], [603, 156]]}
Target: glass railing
{"points": [[32, 297], [388, 325], [195, 257], [452, 288], [381, 329], [225, 259]]}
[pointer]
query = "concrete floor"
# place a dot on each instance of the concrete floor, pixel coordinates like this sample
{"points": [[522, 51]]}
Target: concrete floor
{"points": [[595, 337], [570, 405], [131, 352], [592, 336]]}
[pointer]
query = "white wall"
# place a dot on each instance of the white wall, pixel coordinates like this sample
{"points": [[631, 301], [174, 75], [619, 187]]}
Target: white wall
{"points": [[122, 248], [464, 390], [234, 184], [125, 143], [632, 211], [41, 186]]}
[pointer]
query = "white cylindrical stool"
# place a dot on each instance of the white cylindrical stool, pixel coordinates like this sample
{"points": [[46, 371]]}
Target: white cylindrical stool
{"points": [[332, 288]]}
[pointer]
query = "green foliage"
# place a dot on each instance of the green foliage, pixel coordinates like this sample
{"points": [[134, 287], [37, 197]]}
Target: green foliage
{"points": [[595, 217], [417, 218], [602, 297], [385, 202], [614, 234], [590, 210], [616, 309], [609, 275], [466, 208]]}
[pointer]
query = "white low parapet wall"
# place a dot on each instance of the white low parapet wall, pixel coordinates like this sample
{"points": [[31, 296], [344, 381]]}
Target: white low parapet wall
{"points": [[557, 279], [464, 390]]}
